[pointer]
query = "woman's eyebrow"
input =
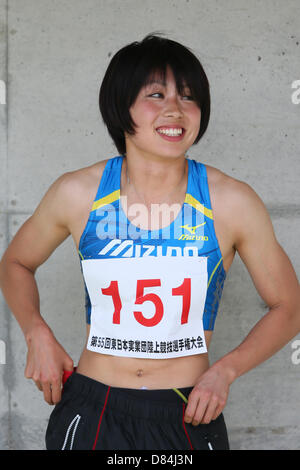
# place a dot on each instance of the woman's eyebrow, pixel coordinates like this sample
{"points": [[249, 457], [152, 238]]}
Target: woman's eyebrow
{"points": [[156, 81]]}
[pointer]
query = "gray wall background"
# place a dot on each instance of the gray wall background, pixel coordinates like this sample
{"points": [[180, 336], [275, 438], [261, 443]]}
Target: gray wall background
{"points": [[53, 55]]}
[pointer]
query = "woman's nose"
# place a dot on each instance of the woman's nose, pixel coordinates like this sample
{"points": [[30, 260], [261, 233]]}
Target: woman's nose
{"points": [[173, 106]]}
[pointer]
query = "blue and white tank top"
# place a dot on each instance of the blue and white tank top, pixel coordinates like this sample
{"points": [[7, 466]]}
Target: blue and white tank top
{"points": [[151, 293]]}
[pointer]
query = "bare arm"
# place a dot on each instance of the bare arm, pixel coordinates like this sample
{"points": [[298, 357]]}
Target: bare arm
{"points": [[277, 284], [34, 242]]}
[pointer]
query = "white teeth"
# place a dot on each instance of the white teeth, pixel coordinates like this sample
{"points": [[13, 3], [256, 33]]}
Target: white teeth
{"points": [[172, 132]]}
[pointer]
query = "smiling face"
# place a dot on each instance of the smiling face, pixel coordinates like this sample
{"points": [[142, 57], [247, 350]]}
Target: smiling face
{"points": [[167, 123]]}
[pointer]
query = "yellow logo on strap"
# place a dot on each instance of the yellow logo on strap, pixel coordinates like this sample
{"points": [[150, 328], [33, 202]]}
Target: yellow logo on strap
{"points": [[192, 230]]}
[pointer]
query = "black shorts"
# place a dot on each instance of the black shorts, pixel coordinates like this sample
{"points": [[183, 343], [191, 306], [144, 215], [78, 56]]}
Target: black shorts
{"points": [[92, 415]]}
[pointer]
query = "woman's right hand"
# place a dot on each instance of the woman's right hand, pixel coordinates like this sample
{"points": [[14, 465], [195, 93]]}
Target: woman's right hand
{"points": [[46, 362]]}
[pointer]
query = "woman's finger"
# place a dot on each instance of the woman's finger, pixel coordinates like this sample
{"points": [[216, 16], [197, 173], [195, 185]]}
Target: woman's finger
{"points": [[218, 411], [191, 406], [39, 385], [55, 391], [197, 407], [47, 392], [210, 410]]}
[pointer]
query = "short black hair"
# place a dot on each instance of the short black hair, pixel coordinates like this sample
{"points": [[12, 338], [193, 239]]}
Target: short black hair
{"points": [[132, 67]]}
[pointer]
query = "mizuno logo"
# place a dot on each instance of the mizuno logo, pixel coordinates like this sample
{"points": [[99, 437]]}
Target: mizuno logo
{"points": [[129, 249], [192, 229], [193, 237]]}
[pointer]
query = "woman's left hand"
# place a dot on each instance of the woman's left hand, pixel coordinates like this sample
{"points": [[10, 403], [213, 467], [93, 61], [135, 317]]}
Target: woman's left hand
{"points": [[208, 397]]}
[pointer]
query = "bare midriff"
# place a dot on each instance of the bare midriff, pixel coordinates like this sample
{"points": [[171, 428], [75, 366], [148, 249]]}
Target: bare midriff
{"points": [[135, 373]]}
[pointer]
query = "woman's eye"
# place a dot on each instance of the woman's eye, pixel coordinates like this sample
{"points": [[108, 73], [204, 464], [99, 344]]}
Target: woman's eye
{"points": [[189, 97]]}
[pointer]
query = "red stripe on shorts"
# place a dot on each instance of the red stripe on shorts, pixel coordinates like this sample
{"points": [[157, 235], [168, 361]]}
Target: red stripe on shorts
{"points": [[185, 428], [100, 419]]}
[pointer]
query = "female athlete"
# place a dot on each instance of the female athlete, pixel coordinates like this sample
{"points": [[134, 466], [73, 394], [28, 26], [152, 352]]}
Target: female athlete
{"points": [[156, 233]]}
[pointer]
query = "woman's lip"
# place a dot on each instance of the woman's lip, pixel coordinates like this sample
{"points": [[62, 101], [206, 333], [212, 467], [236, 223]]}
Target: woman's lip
{"points": [[170, 138], [170, 127]]}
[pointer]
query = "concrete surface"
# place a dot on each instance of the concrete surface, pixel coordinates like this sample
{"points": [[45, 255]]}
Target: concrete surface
{"points": [[52, 58]]}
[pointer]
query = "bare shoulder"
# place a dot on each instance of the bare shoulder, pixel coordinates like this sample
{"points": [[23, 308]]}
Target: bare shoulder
{"points": [[224, 192], [76, 190], [74, 183], [225, 186], [58, 214], [236, 204]]}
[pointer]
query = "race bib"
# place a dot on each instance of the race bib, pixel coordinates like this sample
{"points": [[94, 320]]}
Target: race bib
{"points": [[148, 307]]}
